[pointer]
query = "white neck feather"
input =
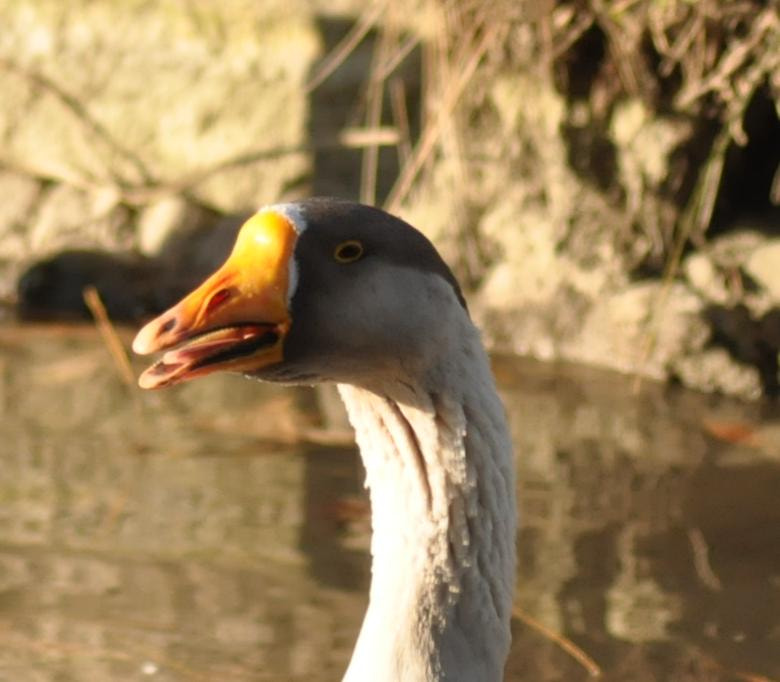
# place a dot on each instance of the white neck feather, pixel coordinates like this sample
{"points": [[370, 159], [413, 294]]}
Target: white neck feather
{"points": [[440, 472]]}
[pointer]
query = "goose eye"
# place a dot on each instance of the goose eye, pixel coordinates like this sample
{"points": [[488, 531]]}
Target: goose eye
{"points": [[348, 251]]}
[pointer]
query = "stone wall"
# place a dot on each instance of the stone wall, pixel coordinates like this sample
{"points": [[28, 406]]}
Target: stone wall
{"points": [[118, 114]]}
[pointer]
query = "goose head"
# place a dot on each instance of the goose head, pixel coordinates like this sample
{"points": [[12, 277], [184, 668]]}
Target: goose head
{"points": [[317, 290]]}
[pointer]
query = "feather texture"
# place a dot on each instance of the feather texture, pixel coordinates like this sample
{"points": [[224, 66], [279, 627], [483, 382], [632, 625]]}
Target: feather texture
{"points": [[440, 474]]}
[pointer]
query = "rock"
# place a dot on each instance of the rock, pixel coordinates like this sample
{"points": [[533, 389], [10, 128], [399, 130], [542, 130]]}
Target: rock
{"points": [[74, 218], [20, 193], [205, 248], [732, 250], [714, 370], [111, 107], [646, 142], [763, 265], [718, 271], [750, 341], [163, 222], [136, 96], [705, 278], [530, 269], [533, 329], [769, 326], [641, 330]]}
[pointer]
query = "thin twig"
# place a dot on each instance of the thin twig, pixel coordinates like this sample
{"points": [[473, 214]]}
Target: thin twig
{"points": [[694, 222], [701, 560], [374, 98], [391, 64], [431, 134], [698, 213], [109, 335], [380, 136], [347, 45], [582, 22], [594, 670], [623, 47], [401, 120]]}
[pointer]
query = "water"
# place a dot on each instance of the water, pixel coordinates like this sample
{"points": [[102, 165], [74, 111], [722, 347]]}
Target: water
{"points": [[219, 531]]}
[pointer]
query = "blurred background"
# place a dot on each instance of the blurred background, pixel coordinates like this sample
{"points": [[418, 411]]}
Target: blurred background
{"points": [[602, 175]]}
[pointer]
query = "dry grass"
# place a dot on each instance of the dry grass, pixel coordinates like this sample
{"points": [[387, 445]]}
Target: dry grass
{"points": [[703, 61], [699, 62]]}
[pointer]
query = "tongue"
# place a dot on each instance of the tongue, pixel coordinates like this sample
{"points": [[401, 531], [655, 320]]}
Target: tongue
{"points": [[161, 374], [181, 364]]}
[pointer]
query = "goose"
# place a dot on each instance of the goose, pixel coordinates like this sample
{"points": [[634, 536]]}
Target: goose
{"points": [[326, 290]]}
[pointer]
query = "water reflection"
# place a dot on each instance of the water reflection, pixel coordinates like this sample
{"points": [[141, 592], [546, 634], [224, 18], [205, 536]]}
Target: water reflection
{"points": [[219, 531]]}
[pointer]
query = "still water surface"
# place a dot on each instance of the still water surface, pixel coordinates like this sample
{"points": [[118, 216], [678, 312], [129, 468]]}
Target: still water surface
{"points": [[219, 531]]}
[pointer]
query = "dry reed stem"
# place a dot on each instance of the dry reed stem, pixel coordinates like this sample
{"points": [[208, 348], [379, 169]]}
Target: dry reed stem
{"points": [[393, 62], [385, 61], [433, 128], [575, 24], [346, 46], [109, 335], [374, 97], [734, 76], [701, 560], [694, 222], [360, 138], [622, 45], [401, 120], [594, 670]]}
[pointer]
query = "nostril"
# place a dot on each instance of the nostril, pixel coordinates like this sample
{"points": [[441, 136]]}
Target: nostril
{"points": [[218, 299], [168, 326]]}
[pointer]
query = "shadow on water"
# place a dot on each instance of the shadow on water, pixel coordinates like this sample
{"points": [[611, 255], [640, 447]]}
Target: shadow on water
{"points": [[219, 531]]}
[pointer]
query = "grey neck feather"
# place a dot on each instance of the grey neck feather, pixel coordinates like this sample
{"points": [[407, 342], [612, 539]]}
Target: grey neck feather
{"points": [[440, 473]]}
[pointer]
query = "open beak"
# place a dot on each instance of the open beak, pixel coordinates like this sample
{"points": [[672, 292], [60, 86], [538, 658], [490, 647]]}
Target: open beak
{"points": [[236, 320]]}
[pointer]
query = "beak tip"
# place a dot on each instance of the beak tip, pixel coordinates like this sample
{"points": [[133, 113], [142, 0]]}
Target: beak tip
{"points": [[145, 381], [143, 341]]}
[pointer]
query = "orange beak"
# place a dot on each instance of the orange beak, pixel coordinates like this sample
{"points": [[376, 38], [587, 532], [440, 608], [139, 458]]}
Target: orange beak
{"points": [[237, 319]]}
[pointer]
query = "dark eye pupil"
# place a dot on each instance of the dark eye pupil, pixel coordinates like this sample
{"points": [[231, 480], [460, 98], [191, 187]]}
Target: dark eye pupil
{"points": [[348, 252]]}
